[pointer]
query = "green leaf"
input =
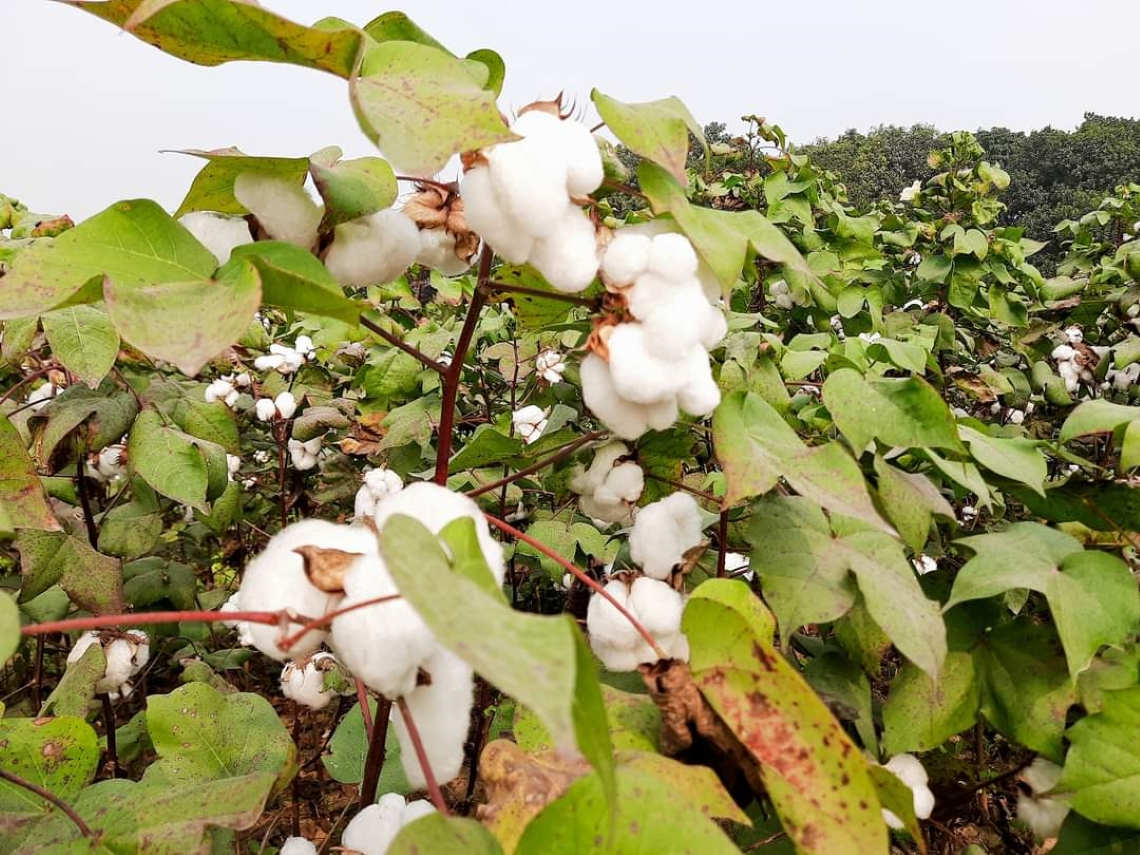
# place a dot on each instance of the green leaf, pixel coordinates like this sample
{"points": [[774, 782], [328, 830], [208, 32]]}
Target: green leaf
{"points": [[172, 462], [842, 683], [84, 340], [722, 238], [186, 323], [25, 503], [539, 661], [351, 188], [76, 689], [656, 130], [817, 779], [1018, 459], [9, 628], [153, 580], [756, 447], [965, 473], [348, 749], [292, 278], [59, 754], [103, 415], [1099, 416], [317, 421], [906, 412], [135, 243], [412, 422], [911, 502], [213, 186], [130, 530], [1092, 595], [93, 581], [898, 798], [486, 446], [210, 32], [421, 106], [201, 734], [444, 835], [921, 712], [1081, 837], [1102, 768]]}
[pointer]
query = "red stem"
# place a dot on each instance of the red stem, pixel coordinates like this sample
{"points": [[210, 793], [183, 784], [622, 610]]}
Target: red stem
{"points": [[328, 617], [582, 576], [145, 618], [565, 451], [421, 755], [455, 370], [399, 343]]}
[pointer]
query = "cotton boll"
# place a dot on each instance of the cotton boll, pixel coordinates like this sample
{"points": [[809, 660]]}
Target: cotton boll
{"points": [[125, 655], [639, 376], [285, 405], [612, 637], [378, 485], [1063, 353], [650, 292], [626, 258], [673, 257], [661, 414], [624, 483], [276, 580], [297, 846], [442, 715], [416, 810], [282, 207], [700, 395], [437, 251], [488, 216], [304, 681], [663, 532], [676, 325], [373, 250], [624, 418], [908, 769], [304, 454], [373, 829], [265, 409], [434, 507], [584, 169], [604, 513], [658, 607], [587, 481], [568, 257], [530, 422], [221, 235], [1043, 815], [713, 327], [532, 187]]}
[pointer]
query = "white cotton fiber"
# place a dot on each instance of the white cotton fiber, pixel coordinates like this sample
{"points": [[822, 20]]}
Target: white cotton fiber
{"points": [[373, 250], [624, 483], [297, 846], [654, 605], [378, 484], [663, 532], [276, 580], [219, 234], [650, 291], [437, 251], [373, 829], [1042, 814], [639, 376], [282, 206], [568, 258], [488, 216], [676, 325], [713, 327], [908, 769], [699, 395], [442, 715], [125, 656], [303, 681], [587, 481], [624, 418], [673, 257], [626, 258]]}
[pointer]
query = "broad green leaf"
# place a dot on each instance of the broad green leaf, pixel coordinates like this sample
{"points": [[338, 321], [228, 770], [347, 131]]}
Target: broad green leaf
{"points": [[130, 530], [398, 27], [722, 238], [292, 278], [486, 446], [153, 580], [906, 412], [1100, 506], [24, 501], [348, 749], [817, 779], [19, 336], [964, 473], [1079, 836], [75, 691], [351, 188], [541, 662], [756, 447], [634, 722], [656, 130], [898, 798], [172, 462], [566, 538], [93, 581], [421, 106], [1092, 595], [444, 835], [1099, 416], [210, 32], [186, 323], [214, 422], [213, 186], [414, 421], [134, 243], [59, 754], [921, 713], [841, 682], [84, 340], [911, 502], [201, 734], [1102, 768], [1019, 459], [104, 415], [152, 816], [9, 628]]}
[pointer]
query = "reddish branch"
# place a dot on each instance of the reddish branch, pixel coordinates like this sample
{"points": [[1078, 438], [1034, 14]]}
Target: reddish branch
{"points": [[565, 451], [327, 618], [399, 343], [16, 780], [421, 755], [581, 575], [145, 618], [374, 760]]}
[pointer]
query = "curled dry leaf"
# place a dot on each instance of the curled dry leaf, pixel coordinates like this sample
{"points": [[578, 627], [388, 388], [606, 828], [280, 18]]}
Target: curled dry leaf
{"points": [[325, 568]]}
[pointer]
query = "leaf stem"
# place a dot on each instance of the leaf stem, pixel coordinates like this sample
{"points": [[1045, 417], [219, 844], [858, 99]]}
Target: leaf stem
{"points": [[564, 451], [506, 288], [16, 780], [400, 344], [582, 576], [421, 755]]}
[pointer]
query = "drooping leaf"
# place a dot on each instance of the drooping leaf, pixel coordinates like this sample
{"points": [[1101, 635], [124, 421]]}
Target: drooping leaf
{"points": [[154, 580], [817, 780], [93, 581], [213, 186], [1102, 768], [172, 462], [75, 691], [84, 340], [101, 416], [135, 243], [486, 446], [656, 130], [25, 503], [293, 278], [351, 188], [911, 502], [420, 105], [1019, 459]]}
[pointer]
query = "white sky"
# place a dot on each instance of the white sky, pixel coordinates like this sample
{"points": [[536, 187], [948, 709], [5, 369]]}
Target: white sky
{"points": [[86, 109]]}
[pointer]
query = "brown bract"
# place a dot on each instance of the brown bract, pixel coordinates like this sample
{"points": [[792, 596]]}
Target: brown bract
{"points": [[438, 207], [326, 567]]}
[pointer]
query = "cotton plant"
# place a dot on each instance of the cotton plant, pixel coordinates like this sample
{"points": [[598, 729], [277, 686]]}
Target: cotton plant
{"points": [[218, 233], [663, 534], [373, 829], [303, 680], [529, 422], [524, 197], [305, 454], [286, 359], [227, 388], [446, 243], [282, 206], [911, 193], [909, 769], [379, 483], [126, 654], [608, 489], [373, 250], [549, 366]]}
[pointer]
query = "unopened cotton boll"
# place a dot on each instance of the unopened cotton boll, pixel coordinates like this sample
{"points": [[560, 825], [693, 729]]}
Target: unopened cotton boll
{"points": [[663, 532], [378, 485], [373, 250], [282, 206], [297, 846], [219, 234], [441, 712], [1043, 815], [437, 251], [909, 769], [304, 681], [276, 580], [372, 830]]}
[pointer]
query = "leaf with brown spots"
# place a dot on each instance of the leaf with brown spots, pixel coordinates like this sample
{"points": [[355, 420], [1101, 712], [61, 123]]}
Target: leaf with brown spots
{"points": [[25, 504], [817, 779]]}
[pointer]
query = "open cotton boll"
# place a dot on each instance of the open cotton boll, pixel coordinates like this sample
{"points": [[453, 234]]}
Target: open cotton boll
{"points": [[490, 218], [442, 715], [584, 168], [434, 507], [908, 769], [699, 395], [437, 251], [638, 375], [125, 653], [713, 327], [378, 484], [530, 183], [663, 532], [655, 605], [276, 580], [219, 234], [676, 325], [585, 481], [650, 291], [373, 250], [1043, 815], [373, 829], [282, 206], [305, 455], [568, 258], [626, 258], [624, 418], [304, 681], [658, 606], [297, 846], [673, 257], [624, 483]]}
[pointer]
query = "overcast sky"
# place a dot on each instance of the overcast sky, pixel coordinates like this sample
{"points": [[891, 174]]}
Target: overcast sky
{"points": [[86, 109]]}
